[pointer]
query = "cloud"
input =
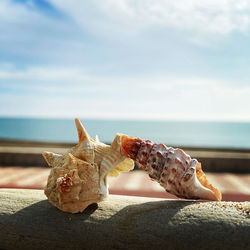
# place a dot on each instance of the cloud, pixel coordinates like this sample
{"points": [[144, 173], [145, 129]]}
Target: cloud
{"points": [[42, 73], [30, 36], [105, 37], [208, 17], [123, 59], [135, 97]]}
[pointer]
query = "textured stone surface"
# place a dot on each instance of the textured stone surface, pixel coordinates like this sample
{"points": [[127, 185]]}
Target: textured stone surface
{"points": [[29, 221]]}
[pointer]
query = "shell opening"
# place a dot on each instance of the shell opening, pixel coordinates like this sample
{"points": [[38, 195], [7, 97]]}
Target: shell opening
{"points": [[204, 182]]}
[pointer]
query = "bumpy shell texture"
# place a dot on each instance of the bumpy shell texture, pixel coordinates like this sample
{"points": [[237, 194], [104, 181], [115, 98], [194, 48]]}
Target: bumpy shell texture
{"points": [[176, 172], [78, 178]]}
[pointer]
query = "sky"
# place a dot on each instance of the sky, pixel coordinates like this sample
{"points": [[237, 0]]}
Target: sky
{"points": [[125, 59]]}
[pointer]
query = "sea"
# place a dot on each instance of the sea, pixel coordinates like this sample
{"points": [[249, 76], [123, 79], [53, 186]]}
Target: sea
{"points": [[232, 135]]}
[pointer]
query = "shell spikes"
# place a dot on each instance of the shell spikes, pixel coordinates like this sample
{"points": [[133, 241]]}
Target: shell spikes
{"points": [[82, 133], [176, 172], [78, 177]]}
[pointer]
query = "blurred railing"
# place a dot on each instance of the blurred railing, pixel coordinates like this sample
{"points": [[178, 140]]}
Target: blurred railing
{"points": [[28, 153]]}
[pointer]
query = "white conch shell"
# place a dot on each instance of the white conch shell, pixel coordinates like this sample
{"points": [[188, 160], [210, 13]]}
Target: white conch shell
{"points": [[172, 168], [78, 178]]}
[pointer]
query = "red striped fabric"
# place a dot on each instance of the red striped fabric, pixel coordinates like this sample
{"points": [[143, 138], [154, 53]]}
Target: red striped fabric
{"points": [[234, 187]]}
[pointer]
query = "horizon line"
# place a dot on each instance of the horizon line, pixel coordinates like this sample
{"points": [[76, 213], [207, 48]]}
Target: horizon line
{"points": [[132, 118]]}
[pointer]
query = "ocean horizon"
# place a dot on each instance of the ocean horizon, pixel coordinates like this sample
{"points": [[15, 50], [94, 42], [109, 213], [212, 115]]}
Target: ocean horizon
{"points": [[214, 134]]}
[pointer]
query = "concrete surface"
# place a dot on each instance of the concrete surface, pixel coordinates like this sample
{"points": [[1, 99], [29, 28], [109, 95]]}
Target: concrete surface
{"points": [[29, 221]]}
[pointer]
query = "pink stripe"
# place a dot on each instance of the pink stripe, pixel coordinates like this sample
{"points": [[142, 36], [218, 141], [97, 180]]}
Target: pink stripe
{"points": [[18, 174], [34, 180], [229, 188], [120, 181], [145, 186], [245, 179]]}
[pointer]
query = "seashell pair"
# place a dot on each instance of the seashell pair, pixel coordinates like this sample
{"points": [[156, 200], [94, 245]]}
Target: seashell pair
{"points": [[79, 177]]}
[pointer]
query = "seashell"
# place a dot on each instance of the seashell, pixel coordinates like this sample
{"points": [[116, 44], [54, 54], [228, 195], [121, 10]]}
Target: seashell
{"points": [[172, 168], [79, 177]]}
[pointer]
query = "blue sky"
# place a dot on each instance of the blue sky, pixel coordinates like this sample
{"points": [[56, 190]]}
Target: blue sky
{"points": [[136, 59]]}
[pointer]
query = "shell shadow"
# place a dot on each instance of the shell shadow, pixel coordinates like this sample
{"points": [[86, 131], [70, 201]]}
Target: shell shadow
{"points": [[42, 223]]}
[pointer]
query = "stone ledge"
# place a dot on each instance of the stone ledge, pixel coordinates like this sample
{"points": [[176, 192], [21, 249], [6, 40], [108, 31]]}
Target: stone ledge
{"points": [[28, 221]]}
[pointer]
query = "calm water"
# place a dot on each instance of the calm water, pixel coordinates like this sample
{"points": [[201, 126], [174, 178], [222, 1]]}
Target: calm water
{"points": [[174, 133]]}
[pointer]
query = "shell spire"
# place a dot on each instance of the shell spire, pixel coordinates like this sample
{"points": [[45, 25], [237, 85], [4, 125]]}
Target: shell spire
{"points": [[176, 172], [82, 133]]}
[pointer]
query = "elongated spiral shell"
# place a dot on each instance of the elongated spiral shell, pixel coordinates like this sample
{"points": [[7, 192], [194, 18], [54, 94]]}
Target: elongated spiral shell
{"points": [[172, 168]]}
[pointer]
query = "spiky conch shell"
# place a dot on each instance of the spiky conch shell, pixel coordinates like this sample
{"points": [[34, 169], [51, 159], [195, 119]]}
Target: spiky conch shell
{"points": [[78, 178], [175, 171]]}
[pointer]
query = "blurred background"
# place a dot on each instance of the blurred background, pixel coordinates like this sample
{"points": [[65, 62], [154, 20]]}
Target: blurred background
{"points": [[176, 72]]}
